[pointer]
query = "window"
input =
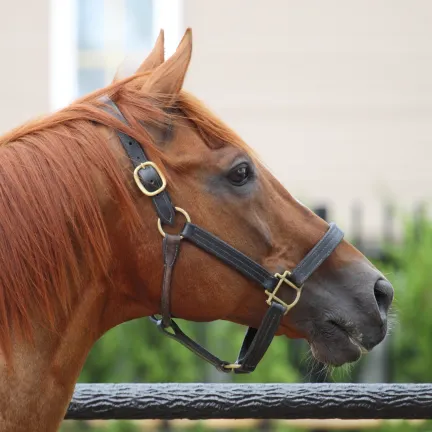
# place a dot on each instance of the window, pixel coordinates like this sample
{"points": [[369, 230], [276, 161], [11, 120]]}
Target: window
{"points": [[139, 25], [90, 24], [91, 38], [108, 32]]}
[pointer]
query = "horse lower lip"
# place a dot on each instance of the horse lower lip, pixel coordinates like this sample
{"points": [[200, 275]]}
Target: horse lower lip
{"points": [[355, 341], [358, 344]]}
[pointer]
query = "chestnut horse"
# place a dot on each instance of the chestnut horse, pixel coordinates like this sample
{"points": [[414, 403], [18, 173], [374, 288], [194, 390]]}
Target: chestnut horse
{"points": [[81, 251]]}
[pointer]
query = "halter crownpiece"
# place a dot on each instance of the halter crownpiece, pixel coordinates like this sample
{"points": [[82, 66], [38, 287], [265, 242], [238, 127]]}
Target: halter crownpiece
{"points": [[151, 181]]}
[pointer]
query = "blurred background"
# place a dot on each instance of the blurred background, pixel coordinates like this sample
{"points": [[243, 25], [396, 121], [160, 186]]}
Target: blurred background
{"points": [[335, 95]]}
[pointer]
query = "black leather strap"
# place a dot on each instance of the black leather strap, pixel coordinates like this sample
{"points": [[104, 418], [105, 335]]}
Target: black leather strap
{"points": [[317, 255], [229, 255], [251, 269], [149, 176], [170, 247], [257, 341]]}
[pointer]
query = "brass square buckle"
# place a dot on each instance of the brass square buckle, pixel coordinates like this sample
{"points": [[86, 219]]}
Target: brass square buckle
{"points": [[283, 279], [141, 186]]}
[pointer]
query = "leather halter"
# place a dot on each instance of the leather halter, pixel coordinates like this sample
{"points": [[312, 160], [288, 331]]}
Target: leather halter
{"points": [[151, 181]]}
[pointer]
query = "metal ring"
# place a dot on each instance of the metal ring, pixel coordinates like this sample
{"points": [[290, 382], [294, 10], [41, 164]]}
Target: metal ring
{"points": [[178, 209]]}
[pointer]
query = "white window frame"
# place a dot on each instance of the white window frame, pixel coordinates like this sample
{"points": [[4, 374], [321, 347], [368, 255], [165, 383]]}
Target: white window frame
{"points": [[65, 58], [63, 53]]}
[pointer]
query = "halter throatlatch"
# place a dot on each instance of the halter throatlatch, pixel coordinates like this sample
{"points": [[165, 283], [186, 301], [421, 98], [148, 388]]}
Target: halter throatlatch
{"points": [[151, 181]]}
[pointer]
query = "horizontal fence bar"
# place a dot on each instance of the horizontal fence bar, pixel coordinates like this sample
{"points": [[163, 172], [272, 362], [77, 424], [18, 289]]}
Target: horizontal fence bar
{"points": [[258, 401]]}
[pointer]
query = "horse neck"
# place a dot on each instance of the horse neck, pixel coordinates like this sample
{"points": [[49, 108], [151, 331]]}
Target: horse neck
{"points": [[37, 386], [36, 389], [35, 392]]}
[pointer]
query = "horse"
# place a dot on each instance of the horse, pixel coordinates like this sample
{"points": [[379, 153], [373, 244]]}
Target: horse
{"points": [[137, 201]]}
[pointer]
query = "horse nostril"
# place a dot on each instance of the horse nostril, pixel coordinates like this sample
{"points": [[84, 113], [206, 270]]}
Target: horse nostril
{"points": [[383, 292]]}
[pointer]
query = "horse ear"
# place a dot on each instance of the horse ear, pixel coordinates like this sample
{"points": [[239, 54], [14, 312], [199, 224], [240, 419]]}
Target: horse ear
{"points": [[153, 60], [168, 78]]}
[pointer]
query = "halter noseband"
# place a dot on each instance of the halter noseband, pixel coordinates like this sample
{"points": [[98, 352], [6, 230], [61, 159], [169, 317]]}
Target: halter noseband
{"points": [[151, 181]]}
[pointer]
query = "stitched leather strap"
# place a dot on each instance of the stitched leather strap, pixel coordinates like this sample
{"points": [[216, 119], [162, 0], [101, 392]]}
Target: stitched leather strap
{"points": [[229, 255], [251, 269], [171, 247], [149, 176], [317, 255], [257, 341]]}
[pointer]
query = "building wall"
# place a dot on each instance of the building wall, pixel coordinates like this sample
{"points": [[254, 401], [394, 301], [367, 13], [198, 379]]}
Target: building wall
{"points": [[336, 96], [24, 51]]}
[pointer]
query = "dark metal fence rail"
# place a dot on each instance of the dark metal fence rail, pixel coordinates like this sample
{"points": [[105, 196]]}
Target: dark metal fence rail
{"points": [[259, 401]]}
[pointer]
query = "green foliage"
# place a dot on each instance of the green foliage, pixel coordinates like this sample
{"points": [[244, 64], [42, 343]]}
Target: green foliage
{"points": [[137, 352], [412, 279]]}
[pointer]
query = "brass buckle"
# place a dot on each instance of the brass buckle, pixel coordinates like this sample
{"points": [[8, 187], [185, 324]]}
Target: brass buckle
{"points": [[141, 186], [232, 366], [272, 295], [178, 209]]}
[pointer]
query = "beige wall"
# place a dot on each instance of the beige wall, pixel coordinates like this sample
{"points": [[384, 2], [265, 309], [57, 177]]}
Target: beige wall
{"points": [[335, 95], [24, 50]]}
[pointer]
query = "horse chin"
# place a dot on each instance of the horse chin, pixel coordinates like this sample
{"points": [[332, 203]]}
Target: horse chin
{"points": [[334, 346], [337, 356]]}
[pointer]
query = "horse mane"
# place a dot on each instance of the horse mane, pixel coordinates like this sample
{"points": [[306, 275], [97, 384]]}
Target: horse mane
{"points": [[51, 218]]}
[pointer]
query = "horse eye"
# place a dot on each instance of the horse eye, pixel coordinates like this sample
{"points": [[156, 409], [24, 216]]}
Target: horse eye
{"points": [[239, 175]]}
